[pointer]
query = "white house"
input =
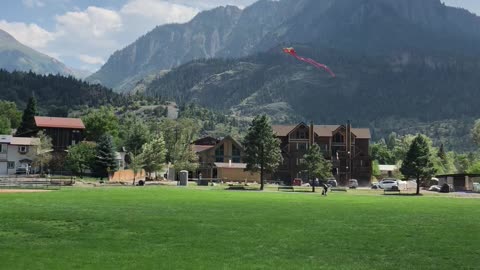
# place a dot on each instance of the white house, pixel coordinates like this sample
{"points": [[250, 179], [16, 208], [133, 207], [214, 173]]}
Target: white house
{"points": [[16, 152]]}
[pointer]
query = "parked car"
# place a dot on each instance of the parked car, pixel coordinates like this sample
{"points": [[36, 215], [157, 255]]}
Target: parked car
{"points": [[353, 183], [21, 170], [388, 183], [332, 182]]}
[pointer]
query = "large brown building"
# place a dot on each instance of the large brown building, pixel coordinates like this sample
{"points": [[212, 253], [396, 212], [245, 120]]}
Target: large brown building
{"points": [[63, 131], [346, 147], [222, 159]]}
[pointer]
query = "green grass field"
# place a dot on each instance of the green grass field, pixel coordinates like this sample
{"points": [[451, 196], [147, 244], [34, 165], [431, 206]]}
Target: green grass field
{"points": [[174, 228]]}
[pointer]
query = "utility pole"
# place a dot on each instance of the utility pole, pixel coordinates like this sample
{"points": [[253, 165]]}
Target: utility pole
{"points": [[311, 141], [348, 151]]}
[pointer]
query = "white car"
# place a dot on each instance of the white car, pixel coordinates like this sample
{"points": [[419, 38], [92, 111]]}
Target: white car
{"points": [[388, 183]]}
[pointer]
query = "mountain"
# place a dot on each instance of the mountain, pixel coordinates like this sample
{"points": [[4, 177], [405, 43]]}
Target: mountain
{"points": [[371, 27], [386, 93], [15, 56]]}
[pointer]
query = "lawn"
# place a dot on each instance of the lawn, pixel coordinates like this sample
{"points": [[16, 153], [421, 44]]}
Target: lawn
{"points": [[174, 228]]}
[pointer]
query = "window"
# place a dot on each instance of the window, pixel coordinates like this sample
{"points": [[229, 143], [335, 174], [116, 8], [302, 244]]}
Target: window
{"points": [[301, 134], [23, 149], [302, 146], [220, 154], [300, 161], [338, 138], [3, 148], [236, 154], [11, 165]]}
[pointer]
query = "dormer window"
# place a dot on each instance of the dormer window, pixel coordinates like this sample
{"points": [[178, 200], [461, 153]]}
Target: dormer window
{"points": [[23, 149]]}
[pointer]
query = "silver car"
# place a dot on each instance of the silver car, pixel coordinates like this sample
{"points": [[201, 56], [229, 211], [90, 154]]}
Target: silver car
{"points": [[388, 183]]}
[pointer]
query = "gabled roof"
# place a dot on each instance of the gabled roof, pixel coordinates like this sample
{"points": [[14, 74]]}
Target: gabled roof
{"points": [[24, 141], [321, 130], [201, 148], [57, 122]]}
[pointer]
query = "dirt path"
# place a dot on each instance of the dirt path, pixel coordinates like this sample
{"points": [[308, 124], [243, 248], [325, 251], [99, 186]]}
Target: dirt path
{"points": [[21, 191]]}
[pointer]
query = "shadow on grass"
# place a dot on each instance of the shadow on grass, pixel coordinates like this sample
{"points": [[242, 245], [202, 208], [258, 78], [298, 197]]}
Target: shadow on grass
{"points": [[242, 189], [403, 194]]}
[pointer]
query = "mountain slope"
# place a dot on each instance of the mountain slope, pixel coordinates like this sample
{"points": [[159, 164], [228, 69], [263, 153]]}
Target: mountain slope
{"points": [[370, 91], [168, 46], [372, 27], [15, 56]]}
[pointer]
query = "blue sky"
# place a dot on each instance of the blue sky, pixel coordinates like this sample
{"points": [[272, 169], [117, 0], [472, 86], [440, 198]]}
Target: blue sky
{"points": [[84, 33]]}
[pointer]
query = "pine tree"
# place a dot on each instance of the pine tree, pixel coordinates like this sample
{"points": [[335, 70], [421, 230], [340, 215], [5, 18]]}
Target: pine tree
{"points": [[441, 153], [317, 165], [27, 126], [418, 162], [105, 156], [262, 148]]}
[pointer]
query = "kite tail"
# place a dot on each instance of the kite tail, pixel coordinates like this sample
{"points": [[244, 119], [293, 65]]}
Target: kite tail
{"points": [[316, 64]]}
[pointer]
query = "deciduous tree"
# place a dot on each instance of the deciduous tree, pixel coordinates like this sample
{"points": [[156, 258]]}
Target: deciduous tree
{"points": [[80, 157], [153, 155], [101, 122], [317, 165]]}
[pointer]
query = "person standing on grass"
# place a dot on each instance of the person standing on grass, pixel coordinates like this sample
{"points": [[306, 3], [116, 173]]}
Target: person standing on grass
{"points": [[325, 189]]}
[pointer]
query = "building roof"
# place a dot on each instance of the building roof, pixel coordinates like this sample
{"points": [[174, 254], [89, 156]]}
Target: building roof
{"points": [[387, 168], [322, 130], [24, 141], [5, 138], [201, 148], [57, 122], [231, 166]]}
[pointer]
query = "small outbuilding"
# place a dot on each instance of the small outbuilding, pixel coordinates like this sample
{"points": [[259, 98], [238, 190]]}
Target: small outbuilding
{"points": [[461, 182]]}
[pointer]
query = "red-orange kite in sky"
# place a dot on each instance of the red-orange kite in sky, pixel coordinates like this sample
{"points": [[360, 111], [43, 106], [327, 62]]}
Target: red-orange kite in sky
{"points": [[312, 62]]}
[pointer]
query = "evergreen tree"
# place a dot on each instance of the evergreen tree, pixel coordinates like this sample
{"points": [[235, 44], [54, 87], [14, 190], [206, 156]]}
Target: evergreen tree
{"points": [[418, 161], [441, 153], [476, 133], [262, 148], [105, 156], [27, 126], [317, 165]]}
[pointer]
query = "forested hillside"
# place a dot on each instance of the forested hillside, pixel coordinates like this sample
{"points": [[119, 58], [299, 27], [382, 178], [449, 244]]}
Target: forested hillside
{"points": [[385, 93], [55, 94]]}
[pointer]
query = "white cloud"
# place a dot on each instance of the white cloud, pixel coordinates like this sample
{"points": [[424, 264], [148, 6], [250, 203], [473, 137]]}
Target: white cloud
{"points": [[91, 60], [92, 21], [86, 37], [31, 35], [33, 3], [160, 11]]}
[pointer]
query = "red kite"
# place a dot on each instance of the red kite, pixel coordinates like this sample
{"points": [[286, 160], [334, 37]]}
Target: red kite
{"points": [[312, 62]]}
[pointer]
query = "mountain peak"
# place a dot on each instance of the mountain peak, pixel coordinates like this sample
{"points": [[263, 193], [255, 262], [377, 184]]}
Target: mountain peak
{"points": [[5, 36]]}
